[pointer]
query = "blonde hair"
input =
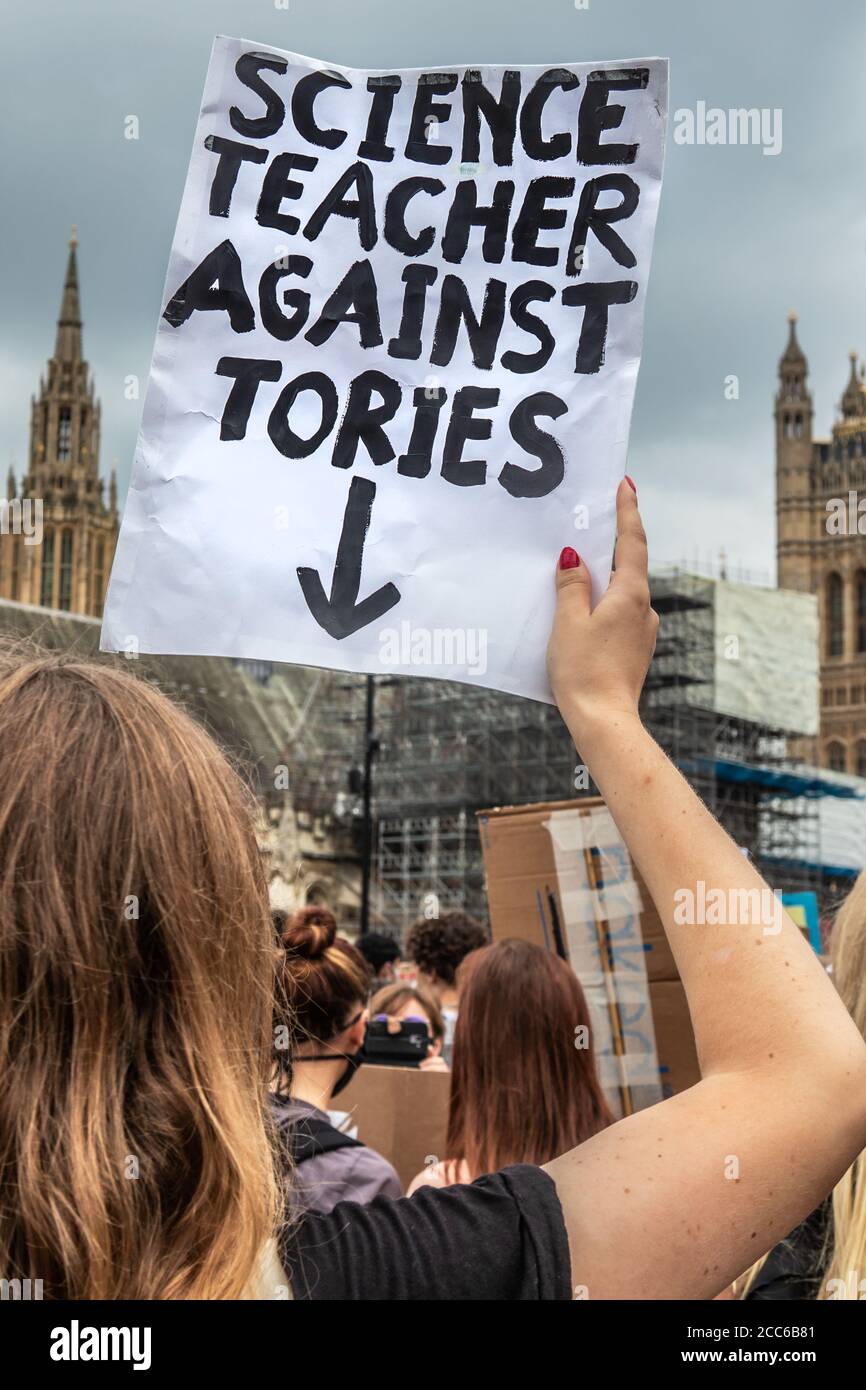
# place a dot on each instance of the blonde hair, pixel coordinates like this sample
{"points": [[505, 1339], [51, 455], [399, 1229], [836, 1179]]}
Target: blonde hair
{"points": [[136, 995], [846, 1247]]}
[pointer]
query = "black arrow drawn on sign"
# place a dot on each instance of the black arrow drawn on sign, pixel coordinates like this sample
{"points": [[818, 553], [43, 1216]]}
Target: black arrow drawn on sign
{"points": [[341, 614]]}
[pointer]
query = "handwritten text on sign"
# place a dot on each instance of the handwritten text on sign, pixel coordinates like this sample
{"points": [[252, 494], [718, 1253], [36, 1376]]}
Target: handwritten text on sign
{"points": [[432, 282]]}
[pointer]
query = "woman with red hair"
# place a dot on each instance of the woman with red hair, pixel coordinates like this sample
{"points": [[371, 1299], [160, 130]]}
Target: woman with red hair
{"points": [[523, 1086]]}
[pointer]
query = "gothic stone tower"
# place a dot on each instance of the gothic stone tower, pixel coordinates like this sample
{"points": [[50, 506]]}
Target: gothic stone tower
{"points": [[818, 555], [69, 569]]}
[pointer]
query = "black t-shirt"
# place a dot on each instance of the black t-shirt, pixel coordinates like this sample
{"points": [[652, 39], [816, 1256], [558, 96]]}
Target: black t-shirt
{"points": [[794, 1268], [502, 1237]]}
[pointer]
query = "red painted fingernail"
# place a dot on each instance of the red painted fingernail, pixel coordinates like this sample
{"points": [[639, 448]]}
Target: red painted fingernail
{"points": [[631, 484], [569, 559]]}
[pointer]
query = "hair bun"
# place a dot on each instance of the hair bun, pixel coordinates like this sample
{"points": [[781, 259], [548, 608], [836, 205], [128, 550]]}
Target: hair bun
{"points": [[309, 932]]}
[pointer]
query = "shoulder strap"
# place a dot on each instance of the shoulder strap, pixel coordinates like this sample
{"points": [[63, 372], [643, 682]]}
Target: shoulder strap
{"points": [[310, 1137]]}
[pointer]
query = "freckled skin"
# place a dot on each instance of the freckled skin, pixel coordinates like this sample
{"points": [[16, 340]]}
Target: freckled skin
{"points": [[737, 1005]]}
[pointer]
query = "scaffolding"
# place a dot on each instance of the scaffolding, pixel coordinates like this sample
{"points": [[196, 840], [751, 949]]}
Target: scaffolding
{"points": [[445, 751], [743, 769]]}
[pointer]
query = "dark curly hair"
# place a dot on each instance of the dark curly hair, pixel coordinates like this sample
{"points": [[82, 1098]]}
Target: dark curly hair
{"points": [[437, 945]]}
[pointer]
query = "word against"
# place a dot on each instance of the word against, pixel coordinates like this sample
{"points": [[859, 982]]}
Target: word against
{"points": [[720, 907], [77, 1343], [714, 126], [22, 516], [846, 516], [403, 317], [417, 646]]}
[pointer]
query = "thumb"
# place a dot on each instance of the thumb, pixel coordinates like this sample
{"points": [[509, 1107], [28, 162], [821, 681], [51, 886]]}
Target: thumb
{"points": [[573, 583]]}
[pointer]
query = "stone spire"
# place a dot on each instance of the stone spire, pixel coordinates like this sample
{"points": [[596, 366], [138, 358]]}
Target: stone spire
{"points": [[793, 354], [68, 345], [793, 372], [853, 403]]}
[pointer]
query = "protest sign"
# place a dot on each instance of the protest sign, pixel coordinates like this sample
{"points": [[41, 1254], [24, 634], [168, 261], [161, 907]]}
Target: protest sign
{"points": [[395, 366]]}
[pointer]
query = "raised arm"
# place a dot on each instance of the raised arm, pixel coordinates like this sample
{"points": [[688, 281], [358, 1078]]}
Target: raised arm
{"points": [[676, 1200]]}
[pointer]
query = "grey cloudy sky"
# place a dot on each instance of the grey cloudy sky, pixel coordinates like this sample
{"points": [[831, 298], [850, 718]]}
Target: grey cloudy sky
{"points": [[741, 239]]}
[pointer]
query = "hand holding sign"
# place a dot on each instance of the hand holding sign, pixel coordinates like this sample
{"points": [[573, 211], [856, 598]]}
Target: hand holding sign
{"points": [[431, 280], [598, 660]]}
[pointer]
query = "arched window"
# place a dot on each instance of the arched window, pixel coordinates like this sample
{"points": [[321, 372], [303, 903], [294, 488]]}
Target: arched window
{"points": [[860, 615], [834, 616], [836, 756], [861, 758], [64, 434], [46, 588], [65, 601]]}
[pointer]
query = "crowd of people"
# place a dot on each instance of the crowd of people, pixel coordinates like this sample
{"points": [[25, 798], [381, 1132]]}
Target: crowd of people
{"points": [[173, 1053]]}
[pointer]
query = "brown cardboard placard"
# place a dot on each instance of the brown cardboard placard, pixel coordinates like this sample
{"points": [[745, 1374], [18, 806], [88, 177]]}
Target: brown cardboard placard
{"points": [[402, 1113]]}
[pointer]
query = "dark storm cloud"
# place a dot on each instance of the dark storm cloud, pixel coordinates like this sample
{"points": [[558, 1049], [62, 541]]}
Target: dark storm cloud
{"points": [[742, 237]]}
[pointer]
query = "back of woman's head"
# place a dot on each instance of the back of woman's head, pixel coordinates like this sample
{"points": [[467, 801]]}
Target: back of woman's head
{"points": [[391, 999], [523, 1090], [324, 978], [136, 986]]}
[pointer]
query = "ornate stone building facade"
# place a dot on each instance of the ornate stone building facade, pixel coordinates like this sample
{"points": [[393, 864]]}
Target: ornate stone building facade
{"points": [[68, 566], [820, 490]]}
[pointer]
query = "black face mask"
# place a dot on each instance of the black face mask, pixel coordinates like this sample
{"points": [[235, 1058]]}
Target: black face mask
{"points": [[353, 1061]]}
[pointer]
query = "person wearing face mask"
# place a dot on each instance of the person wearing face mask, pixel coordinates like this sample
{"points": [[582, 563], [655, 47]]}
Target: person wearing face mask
{"points": [[325, 982]]}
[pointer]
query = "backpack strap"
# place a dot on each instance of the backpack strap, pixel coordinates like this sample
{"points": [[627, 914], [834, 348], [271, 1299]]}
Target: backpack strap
{"points": [[310, 1137]]}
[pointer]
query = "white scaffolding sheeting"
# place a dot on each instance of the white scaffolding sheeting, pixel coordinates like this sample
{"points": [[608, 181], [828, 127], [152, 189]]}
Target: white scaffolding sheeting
{"points": [[842, 822], [766, 667]]}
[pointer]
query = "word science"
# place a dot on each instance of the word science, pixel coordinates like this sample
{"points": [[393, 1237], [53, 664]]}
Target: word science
{"points": [[431, 280]]}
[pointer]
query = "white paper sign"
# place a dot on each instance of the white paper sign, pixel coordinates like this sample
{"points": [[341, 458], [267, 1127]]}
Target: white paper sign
{"points": [[395, 367]]}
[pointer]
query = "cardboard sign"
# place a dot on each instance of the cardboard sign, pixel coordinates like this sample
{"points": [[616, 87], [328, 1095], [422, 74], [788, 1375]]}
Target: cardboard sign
{"points": [[559, 874], [395, 366], [402, 1113]]}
